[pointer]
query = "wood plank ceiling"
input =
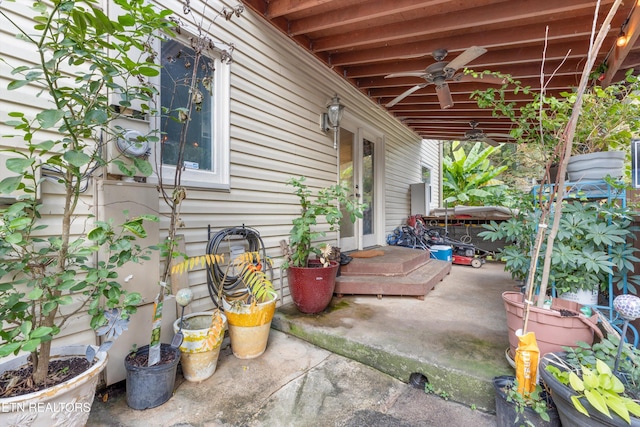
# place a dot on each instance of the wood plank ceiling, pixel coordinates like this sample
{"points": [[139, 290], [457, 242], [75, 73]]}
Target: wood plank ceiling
{"points": [[365, 40]]}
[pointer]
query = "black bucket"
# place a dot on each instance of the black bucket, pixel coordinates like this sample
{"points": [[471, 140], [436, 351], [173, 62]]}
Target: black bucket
{"points": [[506, 412], [151, 386]]}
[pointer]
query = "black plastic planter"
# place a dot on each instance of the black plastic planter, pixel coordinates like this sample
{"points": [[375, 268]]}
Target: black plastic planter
{"points": [[151, 386], [506, 413]]}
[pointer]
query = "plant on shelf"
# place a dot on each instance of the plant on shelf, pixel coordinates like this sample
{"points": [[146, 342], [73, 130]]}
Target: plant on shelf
{"points": [[50, 278], [609, 117], [608, 120], [311, 291], [591, 245]]}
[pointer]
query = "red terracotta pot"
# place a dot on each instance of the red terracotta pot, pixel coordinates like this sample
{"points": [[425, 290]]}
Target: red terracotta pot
{"points": [[312, 287]]}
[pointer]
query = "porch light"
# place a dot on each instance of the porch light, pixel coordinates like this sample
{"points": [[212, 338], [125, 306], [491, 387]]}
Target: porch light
{"points": [[331, 119], [621, 41]]}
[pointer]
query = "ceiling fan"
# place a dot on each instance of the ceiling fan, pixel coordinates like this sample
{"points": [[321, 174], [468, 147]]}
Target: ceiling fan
{"points": [[441, 72], [476, 134]]}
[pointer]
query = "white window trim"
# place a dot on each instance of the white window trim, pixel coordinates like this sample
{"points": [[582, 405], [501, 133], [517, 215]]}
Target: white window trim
{"points": [[218, 178]]}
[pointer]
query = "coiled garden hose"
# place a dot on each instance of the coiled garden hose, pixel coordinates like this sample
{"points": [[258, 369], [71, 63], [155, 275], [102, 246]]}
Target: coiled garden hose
{"points": [[231, 285]]}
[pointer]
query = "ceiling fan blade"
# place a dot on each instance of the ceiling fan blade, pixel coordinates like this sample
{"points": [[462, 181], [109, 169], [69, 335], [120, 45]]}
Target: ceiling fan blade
{"points": [[405, 94], [408, 74], [465, 57], [490, 141], [444, 96], [500, 135], [482, 78]]}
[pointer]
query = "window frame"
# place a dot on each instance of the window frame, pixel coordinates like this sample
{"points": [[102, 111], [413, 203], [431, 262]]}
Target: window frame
{"points": [[218, 178]]}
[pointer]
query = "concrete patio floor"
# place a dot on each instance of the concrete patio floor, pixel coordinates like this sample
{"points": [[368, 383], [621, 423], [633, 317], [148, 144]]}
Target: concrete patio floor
{"points": [[350, 366]]}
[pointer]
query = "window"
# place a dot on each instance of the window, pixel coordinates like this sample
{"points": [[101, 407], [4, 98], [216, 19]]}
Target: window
{"points": [[205, 160], [426, 174]]}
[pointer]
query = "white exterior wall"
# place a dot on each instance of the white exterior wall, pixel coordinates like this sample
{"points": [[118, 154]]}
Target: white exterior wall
{"points": [[278, 92]]}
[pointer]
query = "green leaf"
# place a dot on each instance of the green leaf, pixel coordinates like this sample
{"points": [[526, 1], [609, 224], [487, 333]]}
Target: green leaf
{"points": [[618, 406], [148, 71], [143, 165], [49, 118], [65, 300], [41, 332], [10, 184], [96, 116], [17, 84], [19, 164], [31, 345], [76, 158], [136, 228], [598, 401], [579, 406], [9, 348], [25, 327], [575, 382], [35, 294]]}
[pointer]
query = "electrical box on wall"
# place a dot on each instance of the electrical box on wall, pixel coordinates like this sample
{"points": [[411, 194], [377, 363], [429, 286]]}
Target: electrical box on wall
{"points": [[420, 199], [127, 144], [117, 200], [7, 199]]}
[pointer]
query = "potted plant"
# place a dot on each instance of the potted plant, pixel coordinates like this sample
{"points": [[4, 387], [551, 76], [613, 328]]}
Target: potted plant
{"points": [[192, 72], [513, 408], [588, 389], [608, 120], [249, 311], [590, 253], [49, 278], [312, 280], [550, 237]]}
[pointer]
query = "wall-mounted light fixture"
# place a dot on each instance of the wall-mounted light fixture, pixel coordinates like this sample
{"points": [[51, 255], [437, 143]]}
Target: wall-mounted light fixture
{"points": [[621, 41], [331, 119]]}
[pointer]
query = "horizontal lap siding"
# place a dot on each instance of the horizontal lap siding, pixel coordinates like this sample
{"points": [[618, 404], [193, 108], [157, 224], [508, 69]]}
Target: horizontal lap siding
{"points": [[278, 92]]}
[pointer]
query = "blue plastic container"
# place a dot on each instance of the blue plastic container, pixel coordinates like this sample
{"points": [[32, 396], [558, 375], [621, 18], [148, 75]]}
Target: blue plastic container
{"points": [[441, 252]]}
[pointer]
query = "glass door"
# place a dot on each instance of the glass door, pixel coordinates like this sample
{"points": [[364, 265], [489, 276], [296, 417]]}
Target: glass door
{"points": [[357, 171], [349, 240]]}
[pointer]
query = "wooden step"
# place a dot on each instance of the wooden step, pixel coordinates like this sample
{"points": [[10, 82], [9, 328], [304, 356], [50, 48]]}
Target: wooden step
{"points": [[397, 272], [396, 260]]}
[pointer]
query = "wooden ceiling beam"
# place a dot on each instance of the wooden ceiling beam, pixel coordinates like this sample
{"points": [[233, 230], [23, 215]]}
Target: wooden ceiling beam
{"points": [[515, 11], [278, 8], [494, 60], [349, 16], [619, 53], [382, 69], [532, 35]]}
